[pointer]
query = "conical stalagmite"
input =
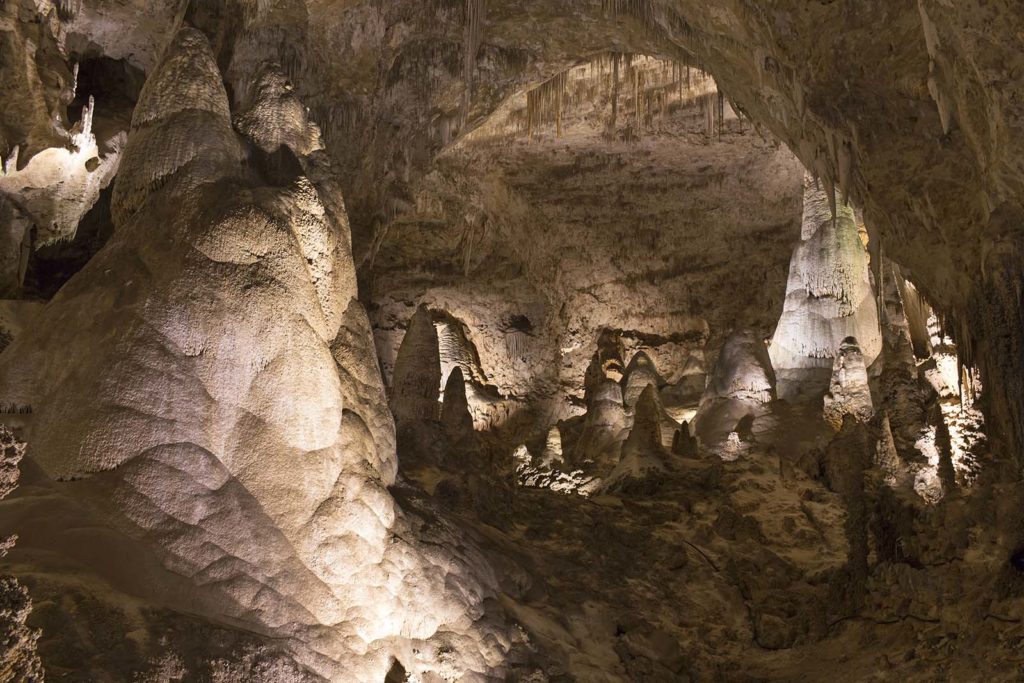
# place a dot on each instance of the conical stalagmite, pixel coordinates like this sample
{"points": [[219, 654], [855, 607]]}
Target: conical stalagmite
{"points": [[455, 416], [238, 467], [645, 436], [743, 384], [417, 377], [828, 298], [894, 470], [743, 372], [643, 455], [603, 427], [684, 443]]}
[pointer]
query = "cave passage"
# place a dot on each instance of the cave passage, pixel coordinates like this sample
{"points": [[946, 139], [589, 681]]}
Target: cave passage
{"points": [[485, 340]]}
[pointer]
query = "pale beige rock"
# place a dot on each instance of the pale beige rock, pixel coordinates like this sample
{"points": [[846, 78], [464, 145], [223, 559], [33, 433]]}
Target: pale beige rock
{"points": [[640, 373]]}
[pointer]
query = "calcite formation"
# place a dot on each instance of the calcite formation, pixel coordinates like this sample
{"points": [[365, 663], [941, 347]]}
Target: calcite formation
{"points": [[829, 297], [19, 660], [643, 456]]}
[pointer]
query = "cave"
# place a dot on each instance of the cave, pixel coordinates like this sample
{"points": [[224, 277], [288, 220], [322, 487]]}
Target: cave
{"points": [[493, 340]]}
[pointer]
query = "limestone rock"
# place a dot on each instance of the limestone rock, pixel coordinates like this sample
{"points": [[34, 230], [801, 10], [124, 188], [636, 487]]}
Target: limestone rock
{"points": [[743, 384], [887, 459], [58, 186], [684, 443], [849, 393], [603, 428], [273, 117], [238, 434], [18, 658]]}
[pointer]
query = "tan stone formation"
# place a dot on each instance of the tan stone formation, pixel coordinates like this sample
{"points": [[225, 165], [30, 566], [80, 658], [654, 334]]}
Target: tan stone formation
{"points": [[684, 443], [740, 388], [743, 372], [212, 490], [58, 186], [604, 427], [416, 383], [829, 297], [643, 455], [272, 117], [894, 471], [849, 393], [218, 422]]}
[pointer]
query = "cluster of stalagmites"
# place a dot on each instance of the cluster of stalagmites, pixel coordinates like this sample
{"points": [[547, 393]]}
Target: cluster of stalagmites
{"points": [[626, 439]]}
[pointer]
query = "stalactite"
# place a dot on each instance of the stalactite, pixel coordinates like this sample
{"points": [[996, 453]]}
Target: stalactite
{"points": [[652, 88], [476, 13], [615, 91], [544, 103]]}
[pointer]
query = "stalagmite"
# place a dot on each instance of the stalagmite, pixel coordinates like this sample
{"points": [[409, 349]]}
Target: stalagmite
{"points": [[240, 465], [944, 445], [743, 383], [894, 471], [849, 393], [417, 376], [743, 372], [552, 456], [684, 443], [455, 416], [828, 298], [604, 426], [643, 455]]}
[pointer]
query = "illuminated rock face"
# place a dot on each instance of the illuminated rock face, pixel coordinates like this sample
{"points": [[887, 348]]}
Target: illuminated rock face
{"points": [[229, 403], [828, 298]]}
